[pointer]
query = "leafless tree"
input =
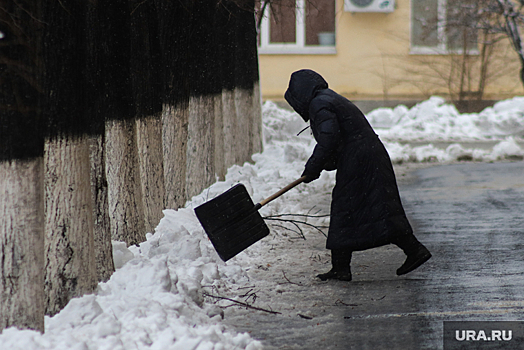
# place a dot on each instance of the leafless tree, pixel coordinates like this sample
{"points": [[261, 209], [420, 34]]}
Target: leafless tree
{"points": [[21, 167], [469, 48], [503, 18]]}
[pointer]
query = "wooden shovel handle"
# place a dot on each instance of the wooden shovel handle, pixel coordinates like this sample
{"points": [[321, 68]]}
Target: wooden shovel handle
{"points": [[281, 192]]}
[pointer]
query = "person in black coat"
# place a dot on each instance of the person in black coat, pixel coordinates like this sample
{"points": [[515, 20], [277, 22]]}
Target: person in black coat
{"points": [[366, 210]]}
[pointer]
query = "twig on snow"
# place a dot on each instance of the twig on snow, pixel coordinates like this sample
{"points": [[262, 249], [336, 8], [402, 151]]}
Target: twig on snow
{"points": [[240, 303], [250, 294], [305, 317], [296, 223], [287, 279], [340, 302], [300, 233]]}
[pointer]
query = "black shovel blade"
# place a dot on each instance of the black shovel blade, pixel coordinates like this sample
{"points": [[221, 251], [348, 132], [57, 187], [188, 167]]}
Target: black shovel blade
{"points": [[232, 222]]}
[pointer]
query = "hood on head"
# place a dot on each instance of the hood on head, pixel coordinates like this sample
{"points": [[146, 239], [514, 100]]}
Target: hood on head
{"points": [[303, 86]]}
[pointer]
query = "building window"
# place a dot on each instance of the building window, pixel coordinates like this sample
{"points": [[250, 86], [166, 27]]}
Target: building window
{"points": [[442, 27], [298, 27]]}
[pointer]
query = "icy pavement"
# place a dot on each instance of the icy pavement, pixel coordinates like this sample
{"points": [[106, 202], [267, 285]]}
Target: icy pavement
{"points": [[471, 216]]}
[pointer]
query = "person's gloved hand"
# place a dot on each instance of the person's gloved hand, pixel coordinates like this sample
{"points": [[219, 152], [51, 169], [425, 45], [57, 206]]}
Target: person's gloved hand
{"points": [[331, 163], [310, 176]]}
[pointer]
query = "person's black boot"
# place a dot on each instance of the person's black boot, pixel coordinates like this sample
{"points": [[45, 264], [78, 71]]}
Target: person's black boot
{"points": [[341, 270], [414, 260], [417, 254], [331, 274]]}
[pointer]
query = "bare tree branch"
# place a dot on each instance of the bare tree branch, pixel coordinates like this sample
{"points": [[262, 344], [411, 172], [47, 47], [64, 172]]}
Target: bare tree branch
{"points": [[240, 303], [296, 223]]}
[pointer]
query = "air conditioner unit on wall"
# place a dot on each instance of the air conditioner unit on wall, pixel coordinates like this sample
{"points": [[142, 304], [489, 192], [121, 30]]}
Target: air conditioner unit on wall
{"points": [[369, 5]]}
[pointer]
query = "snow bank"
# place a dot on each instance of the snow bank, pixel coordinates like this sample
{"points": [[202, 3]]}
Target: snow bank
{"points": [[434, 120], [505, 149], [155, 299]]}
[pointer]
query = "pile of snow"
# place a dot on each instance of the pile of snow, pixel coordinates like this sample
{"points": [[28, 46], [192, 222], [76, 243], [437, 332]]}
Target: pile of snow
{"points": [[505, 149], [434, 120], [153, 301], [156, 297]]}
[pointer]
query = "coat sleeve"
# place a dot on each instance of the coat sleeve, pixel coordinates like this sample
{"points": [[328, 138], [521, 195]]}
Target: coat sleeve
{"points": [[328, 139]]}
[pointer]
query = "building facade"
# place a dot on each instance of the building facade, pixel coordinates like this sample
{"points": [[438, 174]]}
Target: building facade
{"points": [[385, 50]]}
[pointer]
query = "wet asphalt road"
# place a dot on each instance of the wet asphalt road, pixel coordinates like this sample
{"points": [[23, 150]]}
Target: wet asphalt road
{"points": [[470, 216]]}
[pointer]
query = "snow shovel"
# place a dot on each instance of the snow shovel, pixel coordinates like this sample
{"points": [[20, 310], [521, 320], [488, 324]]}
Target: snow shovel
{"points": [[232, 222]]}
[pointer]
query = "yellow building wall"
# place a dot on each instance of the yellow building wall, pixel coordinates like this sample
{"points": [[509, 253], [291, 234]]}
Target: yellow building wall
{"points": [[373, 62]]}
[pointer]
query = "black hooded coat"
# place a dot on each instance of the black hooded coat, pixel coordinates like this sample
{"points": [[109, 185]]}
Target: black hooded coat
{"points": [[366, 210]]}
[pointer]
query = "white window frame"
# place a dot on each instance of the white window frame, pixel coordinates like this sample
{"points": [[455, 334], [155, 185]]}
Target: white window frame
{"points": [[297, 48], [441, 48]]}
